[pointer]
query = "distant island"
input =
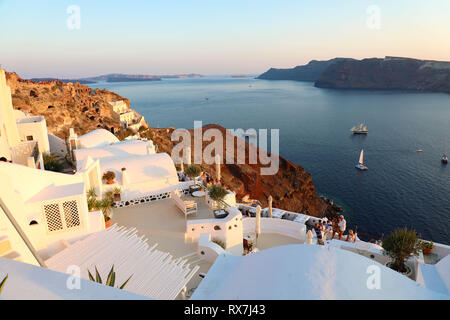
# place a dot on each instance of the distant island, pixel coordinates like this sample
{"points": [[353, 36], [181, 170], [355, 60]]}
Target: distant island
{"points": [[119, 77], [389, 73]]}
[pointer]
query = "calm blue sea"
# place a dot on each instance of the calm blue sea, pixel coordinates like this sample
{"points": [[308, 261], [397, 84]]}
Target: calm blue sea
{"points": [[401, 188]]}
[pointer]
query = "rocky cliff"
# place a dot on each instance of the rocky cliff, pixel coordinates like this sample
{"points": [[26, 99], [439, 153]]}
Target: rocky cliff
{"points": [[309, 72], [291, 187], [390, 73], [64, 105]]}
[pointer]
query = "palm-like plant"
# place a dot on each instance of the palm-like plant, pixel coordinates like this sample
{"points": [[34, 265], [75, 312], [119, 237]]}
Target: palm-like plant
{"points": [[110, 280], [91, 199], [52, 163], [106, 206], [2, 284]]}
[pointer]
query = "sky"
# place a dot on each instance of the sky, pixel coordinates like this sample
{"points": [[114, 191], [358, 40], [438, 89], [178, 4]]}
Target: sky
{"points": [[42, 38]]}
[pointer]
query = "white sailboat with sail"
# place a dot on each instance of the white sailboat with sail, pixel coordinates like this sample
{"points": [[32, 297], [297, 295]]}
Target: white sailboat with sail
{"points": [[360, 164]]}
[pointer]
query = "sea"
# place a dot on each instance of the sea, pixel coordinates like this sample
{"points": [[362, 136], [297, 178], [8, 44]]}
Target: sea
{"points": [[402, 187]]}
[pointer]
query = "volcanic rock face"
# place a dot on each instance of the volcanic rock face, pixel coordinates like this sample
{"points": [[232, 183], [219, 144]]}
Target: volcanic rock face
{"points": [[389, 73], [64, 105], [291, 187], [310, 72]]}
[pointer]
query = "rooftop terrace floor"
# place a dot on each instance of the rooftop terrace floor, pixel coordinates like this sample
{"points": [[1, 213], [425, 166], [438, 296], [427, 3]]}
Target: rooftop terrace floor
{"points": [[163, 223]]}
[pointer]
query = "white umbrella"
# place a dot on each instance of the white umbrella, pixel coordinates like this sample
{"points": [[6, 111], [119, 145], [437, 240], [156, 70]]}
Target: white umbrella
{"points": [[258, 221], [270, 206], [218, 167]]}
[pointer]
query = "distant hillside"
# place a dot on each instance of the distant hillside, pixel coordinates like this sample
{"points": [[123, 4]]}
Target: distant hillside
{"points": [[63, 80], [309, 72], [119, 77], [390, 73]]}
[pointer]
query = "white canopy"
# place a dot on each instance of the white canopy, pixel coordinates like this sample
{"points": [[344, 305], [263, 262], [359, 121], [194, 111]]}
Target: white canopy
{"points": [[156, 274], [305, 272]]}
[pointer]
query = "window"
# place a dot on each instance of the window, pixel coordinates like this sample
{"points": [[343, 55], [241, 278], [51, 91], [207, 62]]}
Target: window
{"points": [[29, 138], [62, 216]]}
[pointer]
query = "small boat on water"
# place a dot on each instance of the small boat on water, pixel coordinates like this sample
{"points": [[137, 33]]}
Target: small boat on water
{"points": [[361, 129], [420, 150], [444, 158], [360, 165]]}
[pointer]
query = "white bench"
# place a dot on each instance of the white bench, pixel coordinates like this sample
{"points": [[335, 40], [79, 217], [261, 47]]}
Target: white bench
{"points": [[186, 207]]}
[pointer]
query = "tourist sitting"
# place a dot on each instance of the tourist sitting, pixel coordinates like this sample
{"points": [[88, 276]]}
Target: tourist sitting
{"points": [[351, 237], [342, 226], [318, 230], [327, 229]]}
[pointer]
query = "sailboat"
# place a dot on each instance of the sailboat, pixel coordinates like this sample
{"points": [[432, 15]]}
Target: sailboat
{"points": [[360, 164]]}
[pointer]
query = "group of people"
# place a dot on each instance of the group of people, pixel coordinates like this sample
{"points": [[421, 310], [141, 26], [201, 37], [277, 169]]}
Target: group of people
{"points": [[206, 179], [326, 230]]}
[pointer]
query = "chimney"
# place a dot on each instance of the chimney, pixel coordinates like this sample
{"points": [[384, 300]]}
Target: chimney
{"points": [[125, 180]]}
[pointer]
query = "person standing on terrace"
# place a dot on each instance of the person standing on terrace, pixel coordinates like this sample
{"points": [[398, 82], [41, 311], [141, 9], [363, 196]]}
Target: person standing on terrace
{"points": [[342, 226], [318, 230]]}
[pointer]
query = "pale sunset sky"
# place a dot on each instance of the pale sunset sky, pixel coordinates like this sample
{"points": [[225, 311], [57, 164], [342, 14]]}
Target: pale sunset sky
{"points": [[213, 36]]}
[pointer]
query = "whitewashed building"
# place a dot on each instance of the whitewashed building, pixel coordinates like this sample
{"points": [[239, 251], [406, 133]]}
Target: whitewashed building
{"points": [[23, 139], [127, 117]]}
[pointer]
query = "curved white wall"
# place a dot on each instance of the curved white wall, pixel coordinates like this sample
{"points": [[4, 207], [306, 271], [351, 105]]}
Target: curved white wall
{"points": [[279, 226]]}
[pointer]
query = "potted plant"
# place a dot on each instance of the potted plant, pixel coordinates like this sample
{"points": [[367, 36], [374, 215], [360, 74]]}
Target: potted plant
{"points": [[400, 245], [109, 177], [193, 171], [106, 207], [116, 194], [427, 247], [217, 193]]}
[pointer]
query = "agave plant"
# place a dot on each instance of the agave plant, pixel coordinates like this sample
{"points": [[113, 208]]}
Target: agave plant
{"points": [[110, 280], [2, 284]]}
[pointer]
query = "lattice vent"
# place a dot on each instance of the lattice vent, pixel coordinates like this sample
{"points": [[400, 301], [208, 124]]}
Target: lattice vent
{"points": [[71, 215], [53, 217]]}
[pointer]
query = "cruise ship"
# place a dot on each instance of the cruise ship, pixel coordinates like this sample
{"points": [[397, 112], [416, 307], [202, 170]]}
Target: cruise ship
{"points": [[162, 234]]}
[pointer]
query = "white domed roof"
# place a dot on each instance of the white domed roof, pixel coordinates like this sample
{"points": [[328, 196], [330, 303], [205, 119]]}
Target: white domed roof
{"points": [[96, 138]]}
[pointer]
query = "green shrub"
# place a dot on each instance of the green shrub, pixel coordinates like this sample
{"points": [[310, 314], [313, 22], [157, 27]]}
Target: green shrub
{"points": [[52, 163], [427, 245], [109, 175], [217, 193], [193, 171]]}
